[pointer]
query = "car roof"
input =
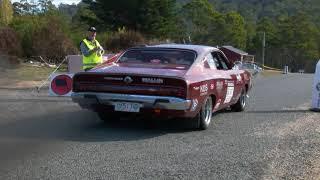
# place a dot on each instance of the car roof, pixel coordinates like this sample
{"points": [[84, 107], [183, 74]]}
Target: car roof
{"points": [[200, 49]]}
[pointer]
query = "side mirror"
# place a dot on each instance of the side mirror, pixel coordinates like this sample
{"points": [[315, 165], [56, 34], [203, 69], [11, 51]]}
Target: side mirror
{"points": [[235, 67]]}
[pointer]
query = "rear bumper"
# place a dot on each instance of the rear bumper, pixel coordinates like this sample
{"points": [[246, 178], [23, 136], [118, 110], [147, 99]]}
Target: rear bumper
{"points": [[88, 100]]}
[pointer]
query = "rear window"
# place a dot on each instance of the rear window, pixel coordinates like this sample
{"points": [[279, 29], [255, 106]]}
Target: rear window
{"points": [[174, 57]]}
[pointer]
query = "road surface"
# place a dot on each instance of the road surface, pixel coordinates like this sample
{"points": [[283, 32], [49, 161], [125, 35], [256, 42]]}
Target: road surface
{"points": [[52, 138]]}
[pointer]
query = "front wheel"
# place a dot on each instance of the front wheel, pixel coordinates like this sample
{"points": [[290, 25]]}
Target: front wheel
{"points": [[241, 103], [203, 118]]}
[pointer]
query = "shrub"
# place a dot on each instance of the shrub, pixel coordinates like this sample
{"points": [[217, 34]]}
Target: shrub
{"points": [[7, 61], [123, 39], [25, 27], [52, 43], [9, 42]]}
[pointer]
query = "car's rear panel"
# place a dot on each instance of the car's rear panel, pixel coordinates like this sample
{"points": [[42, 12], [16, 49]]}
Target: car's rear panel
{"points": [[130, 84]]}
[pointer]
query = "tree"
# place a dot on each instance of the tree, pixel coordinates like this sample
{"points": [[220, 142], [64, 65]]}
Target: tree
{"points": [[196, 18], [24, 7], [51, 42], [269, 27], [116, 14], [298, 37], [207, 26], [235, 33], [152, 17], [46, 5], [6, 12], [158, 18]]}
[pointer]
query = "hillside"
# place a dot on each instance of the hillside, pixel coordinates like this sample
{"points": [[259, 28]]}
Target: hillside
{"points": [[252, 10]]}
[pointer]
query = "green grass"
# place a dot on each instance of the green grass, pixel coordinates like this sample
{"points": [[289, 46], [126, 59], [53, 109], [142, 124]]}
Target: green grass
{"points": [[31, 73]]}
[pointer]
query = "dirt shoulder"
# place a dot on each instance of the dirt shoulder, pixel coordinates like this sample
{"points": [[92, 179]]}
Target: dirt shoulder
{"points": [[297, 154]]}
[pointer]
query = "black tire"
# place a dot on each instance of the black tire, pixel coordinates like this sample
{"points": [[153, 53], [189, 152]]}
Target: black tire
{"points": [[108, 117], [204, 116], [241, 103]]}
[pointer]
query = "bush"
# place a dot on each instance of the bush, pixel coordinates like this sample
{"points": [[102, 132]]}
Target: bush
{"points": [[7, 61], [123, 39], [9, 42], [45, 35], [52, 43], [25, 27]]}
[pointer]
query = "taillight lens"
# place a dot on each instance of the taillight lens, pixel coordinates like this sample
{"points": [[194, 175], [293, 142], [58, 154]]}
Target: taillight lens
{"points": [[182, 93]]}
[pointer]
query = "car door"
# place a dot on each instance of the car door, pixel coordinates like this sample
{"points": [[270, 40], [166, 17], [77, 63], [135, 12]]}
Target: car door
{"points": [[236, 79], [223, 85]]}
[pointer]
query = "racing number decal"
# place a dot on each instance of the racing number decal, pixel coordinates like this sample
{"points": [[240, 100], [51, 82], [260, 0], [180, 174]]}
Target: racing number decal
{"points": [[230, 91], [204, 90]]}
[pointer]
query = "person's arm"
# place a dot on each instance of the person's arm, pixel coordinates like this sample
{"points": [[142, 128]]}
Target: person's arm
{"points": [[99, 46], [85, 51]]}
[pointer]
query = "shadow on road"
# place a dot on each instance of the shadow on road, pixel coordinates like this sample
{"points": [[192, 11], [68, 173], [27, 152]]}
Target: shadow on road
{"points": [[36, 100], [278, 111], [85, 126]]}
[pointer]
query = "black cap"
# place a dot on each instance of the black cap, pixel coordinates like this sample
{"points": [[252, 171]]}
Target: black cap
{"points": [[92, 29]]}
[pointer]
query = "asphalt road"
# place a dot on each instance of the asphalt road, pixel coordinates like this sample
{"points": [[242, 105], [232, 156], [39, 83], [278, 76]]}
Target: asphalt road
{"points": [[52, 138]]}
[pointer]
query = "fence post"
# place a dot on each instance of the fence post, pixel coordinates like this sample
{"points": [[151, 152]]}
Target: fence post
{"points": [[285, 69]]}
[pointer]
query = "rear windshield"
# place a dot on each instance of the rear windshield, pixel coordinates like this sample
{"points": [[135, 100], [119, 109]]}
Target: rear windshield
{"points": [[174, 57]]}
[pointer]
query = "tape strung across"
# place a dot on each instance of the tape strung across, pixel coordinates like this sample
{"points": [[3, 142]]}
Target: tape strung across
{"points": [[271, 68]]}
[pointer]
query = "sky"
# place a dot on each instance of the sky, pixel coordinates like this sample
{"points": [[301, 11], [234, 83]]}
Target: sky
{"points": [[57, 2]]}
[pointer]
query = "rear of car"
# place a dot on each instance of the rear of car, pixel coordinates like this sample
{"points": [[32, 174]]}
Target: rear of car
{"points": [[143, 80]]}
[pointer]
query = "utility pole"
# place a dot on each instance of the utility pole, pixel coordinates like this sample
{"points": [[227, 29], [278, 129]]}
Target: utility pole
{"points": [[263, 48]]}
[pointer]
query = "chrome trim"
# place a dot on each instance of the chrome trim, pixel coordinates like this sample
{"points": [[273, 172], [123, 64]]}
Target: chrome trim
{"points": [[87, 99]]}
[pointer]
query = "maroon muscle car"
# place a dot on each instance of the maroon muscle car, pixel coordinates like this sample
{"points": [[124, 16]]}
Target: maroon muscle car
{"points": [[180, 81]]}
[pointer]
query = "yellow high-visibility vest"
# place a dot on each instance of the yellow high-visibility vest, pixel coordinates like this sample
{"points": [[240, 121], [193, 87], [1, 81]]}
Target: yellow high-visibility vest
{"points": [[95, 58]]}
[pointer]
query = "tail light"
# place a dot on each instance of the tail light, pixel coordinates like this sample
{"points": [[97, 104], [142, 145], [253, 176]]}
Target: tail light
{"points": [[182, 93]]}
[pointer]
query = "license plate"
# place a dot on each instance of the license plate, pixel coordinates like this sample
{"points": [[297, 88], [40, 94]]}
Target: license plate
{"points": [[127, 107]]}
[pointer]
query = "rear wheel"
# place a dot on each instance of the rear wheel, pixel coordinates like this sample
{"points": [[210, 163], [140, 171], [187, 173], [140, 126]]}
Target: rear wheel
{"points": [[241, 103], [203, 118]]}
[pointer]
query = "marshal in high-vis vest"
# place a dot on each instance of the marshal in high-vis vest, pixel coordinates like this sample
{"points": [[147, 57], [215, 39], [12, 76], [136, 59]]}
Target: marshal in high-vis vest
{"points": [[91, 50]]}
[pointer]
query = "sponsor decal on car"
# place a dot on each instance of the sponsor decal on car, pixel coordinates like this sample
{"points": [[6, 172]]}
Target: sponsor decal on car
{"points": [[113, 78], [230, 91], [128, 80], [230, 84], [152, 80], [212, 86], [219, 85], [203, 89], [196, 88]]}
